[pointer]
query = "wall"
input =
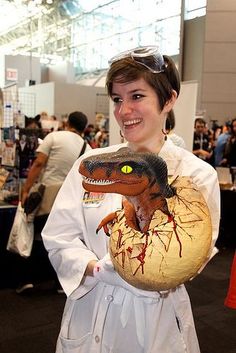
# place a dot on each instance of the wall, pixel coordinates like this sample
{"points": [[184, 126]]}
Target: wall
{"points": [[28, 68], [193, 44], [185, 109], [44, 97], [69, 97], [218, 94], [60, 98], [62, 72]]}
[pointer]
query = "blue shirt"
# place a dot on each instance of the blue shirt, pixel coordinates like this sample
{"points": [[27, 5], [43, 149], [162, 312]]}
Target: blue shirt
{"points": [[220, 146]]}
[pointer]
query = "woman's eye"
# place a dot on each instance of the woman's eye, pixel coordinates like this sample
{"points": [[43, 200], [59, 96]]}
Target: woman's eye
{"points": [[137, 96], [116, 99]]}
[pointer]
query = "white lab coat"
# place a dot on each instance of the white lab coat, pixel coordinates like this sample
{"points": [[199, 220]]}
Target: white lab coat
{"points": [[101, 318]]}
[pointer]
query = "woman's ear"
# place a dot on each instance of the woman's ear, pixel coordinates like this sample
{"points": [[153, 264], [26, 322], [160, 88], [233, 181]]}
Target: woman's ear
{"points": [[171, 102]]}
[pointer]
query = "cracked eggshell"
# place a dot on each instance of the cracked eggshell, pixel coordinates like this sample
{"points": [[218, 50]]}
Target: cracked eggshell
{"points": [[173, 250]]}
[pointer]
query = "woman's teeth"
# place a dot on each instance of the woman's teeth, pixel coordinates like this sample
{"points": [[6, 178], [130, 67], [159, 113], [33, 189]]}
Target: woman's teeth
{"points": [[131, 122]]}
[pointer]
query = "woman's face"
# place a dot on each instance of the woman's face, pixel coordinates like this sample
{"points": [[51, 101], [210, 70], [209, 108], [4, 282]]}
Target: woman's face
{"points": [[138, 113]]}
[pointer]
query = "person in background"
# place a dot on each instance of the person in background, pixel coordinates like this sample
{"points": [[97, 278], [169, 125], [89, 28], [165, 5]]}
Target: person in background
{"points": [[170, 125], [102, 138], [89, 134], [32, 123], [100, 121], [201, 142], [221, 143], [103, 313], [55, 156], [229, 157], [44, 116]]}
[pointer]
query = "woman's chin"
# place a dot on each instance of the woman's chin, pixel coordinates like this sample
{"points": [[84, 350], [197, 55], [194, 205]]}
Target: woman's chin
{"points": [[133, 135]]}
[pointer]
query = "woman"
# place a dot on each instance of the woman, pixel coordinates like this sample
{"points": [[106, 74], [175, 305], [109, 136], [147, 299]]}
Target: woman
{"points": [[103, 316]]}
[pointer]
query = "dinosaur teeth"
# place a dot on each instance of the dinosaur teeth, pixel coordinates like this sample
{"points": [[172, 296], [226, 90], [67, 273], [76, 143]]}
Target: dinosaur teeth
{"points": [[98, 182]]}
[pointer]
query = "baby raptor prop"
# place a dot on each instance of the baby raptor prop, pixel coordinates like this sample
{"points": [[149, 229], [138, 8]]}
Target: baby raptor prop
{"points": [[162, 235]]}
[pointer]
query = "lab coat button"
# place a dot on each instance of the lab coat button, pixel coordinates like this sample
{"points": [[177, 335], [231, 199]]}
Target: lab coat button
{"points": [[97, 339], [109, 298]]}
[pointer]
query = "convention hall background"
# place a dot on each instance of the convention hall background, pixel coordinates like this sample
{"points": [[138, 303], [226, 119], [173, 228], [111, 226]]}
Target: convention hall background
{"points": [[55, 70]]}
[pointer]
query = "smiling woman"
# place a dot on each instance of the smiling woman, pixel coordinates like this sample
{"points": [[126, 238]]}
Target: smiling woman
{"points": [[151, 182]]}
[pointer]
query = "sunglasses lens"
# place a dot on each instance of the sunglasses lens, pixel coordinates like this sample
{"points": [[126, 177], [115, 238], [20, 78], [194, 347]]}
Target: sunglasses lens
{"points": [[146, 56]]}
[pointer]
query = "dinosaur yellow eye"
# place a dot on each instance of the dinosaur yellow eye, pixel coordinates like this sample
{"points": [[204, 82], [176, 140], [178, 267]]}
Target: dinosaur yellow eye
{"points": [[126, 169]]}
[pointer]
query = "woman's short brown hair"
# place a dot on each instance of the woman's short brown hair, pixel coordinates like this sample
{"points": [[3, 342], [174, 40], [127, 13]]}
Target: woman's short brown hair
{"points": [[128, 70]]}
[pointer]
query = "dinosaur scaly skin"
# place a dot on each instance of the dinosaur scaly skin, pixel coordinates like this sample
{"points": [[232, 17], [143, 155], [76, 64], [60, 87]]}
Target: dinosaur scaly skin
{"points": [[162, 236]]}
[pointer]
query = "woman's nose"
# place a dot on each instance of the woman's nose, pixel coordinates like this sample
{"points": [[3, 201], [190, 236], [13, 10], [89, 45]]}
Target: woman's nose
{"points": [[125, 107]]}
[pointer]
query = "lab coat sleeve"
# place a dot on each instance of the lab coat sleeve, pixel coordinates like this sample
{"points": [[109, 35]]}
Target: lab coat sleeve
{"points": [[64, 237]]}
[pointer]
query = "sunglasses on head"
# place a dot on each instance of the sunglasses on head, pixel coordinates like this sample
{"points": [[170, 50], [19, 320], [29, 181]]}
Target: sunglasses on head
{"points": [[147, 56]]}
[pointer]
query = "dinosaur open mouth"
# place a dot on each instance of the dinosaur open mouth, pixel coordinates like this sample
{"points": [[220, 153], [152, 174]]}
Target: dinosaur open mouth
{"points": [[98, 181]]}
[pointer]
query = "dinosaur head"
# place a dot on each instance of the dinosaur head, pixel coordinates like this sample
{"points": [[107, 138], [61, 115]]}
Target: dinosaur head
{"points": [[125, 172]]}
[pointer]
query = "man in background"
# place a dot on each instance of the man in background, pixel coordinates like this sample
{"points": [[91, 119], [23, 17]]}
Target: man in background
{"points": [[201, 141], [55, 157]]}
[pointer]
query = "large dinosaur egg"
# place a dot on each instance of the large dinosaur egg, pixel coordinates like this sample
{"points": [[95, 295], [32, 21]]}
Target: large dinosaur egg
{"points": [[172, 250]]}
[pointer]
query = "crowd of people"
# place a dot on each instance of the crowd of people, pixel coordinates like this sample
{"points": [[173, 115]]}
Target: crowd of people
{"points": [[217, 145]]}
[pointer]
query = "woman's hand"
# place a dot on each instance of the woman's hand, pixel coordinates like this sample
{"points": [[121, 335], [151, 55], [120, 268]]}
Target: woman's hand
{"points": [[90, 268]]}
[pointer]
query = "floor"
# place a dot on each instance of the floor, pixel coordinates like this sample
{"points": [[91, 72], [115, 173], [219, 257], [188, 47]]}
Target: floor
{"points": [[30, 324], [215, 323]]}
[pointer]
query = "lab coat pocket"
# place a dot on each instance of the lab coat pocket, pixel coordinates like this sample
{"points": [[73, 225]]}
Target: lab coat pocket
{"points": [[74, 345]]}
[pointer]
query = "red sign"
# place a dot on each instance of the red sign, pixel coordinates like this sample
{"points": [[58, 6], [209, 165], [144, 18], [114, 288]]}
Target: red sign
{"points": [[11, 74]]}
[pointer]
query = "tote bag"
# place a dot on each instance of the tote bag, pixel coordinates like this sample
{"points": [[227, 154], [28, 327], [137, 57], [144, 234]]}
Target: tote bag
{"points": [[21, 235]]}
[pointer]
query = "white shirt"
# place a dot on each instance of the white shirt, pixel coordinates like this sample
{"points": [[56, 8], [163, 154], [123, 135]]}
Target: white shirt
{"points": [[62, 149], [102, 318], [177, 140]]}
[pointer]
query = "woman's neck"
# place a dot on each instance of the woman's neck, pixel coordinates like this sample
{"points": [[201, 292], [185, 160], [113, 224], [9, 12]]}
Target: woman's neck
{"points": [[150, 146]]}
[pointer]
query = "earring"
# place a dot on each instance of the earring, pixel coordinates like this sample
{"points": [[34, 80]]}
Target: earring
{"points": [[164, 133]]}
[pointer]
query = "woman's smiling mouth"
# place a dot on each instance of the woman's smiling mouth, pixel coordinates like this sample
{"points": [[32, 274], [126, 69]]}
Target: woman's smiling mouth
{"points": [[132, 122]]}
